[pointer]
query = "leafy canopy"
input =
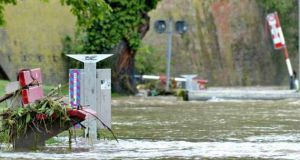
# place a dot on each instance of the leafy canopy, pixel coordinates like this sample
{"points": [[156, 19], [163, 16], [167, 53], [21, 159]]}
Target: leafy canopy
{"points": [[87, 11], [121, 24]]}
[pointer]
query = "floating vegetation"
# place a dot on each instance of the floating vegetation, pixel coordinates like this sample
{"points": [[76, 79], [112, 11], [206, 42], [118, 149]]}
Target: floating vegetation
{"points": [[45, 116], [27, 127]]}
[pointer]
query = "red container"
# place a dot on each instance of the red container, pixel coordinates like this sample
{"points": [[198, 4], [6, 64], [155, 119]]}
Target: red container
{"points": [[202, 83], [27, 77], [77, 113], [32, 94]]}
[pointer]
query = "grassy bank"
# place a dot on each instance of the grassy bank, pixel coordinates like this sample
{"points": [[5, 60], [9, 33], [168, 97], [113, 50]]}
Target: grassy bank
{"points": [[2, 92], [2, 86]]}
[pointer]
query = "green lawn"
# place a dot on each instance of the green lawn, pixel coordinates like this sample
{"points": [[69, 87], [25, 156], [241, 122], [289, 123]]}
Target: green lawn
{"points": [[2, 86]]}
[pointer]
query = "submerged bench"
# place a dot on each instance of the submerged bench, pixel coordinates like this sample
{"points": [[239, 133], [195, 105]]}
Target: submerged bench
{"points": [[27, 91]]}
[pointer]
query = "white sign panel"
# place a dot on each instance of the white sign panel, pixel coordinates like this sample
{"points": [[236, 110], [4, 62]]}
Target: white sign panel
{"points": [[276, 30], [105, 84], [89, 58]]}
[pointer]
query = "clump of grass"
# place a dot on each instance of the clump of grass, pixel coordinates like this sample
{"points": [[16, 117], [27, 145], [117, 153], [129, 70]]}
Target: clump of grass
{"points": [[3, 83], [16, 121], [52, 141]]}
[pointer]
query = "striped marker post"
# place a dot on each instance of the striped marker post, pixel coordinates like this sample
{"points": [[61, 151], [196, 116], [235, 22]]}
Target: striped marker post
{"points": [[74, 87], [279, 42], [89, 92]]}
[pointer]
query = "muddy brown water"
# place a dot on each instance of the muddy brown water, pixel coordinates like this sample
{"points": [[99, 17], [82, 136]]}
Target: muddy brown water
{"points": [[168, 128]]}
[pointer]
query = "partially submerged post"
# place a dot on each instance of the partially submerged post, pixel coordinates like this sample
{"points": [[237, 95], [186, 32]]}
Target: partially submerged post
{"points": [[33, 118], [279, 42], [93, 91], [189, 85]]}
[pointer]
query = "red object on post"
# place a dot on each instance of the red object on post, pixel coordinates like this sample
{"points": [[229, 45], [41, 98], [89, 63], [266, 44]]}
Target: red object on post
{"points": [[81, 114], [77, 113], [32, 94], [276, 30], [27, 77], [202, 83], [163, 79]]}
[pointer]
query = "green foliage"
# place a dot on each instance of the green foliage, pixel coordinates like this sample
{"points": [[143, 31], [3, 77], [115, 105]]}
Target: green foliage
{"points": [[4, 137], [121, 24], [282, 6], [52, 141], [2, 4], [3, 83], [16, 121], [179, 92], [87, 11], [147, 61]]}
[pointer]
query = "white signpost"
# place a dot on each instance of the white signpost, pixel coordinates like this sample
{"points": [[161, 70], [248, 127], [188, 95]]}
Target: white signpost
{"points": [[95, 90]]}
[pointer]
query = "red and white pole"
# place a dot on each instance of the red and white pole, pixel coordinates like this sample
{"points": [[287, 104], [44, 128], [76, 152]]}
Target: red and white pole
{"points": [[279, 41], [288, 62]]}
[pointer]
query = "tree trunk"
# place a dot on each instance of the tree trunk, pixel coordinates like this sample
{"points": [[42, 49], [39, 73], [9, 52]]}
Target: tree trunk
{"points": [[123, 80], [123, 70]]}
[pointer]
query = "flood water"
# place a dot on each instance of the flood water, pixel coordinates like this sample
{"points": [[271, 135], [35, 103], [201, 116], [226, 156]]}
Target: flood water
{"points": [[167, 128]]}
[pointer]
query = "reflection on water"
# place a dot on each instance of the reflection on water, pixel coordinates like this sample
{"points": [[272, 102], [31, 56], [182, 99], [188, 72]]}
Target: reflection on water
{"points": [[154, 129]]}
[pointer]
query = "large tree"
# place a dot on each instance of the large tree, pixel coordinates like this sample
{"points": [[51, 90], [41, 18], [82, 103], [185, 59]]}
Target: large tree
{"points": [[119, 32]]}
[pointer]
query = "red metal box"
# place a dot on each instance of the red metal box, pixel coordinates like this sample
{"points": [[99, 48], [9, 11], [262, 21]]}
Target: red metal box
{"points": [[77, 113], [202, 83], [27, 77], [32, 94]]}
